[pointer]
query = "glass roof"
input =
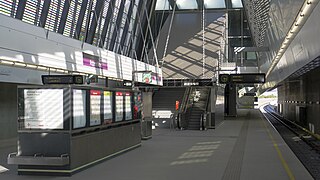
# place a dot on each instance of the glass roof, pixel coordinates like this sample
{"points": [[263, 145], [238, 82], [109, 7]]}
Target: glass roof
{"points": [[187, 4], [162, 5], [193, 4], [211, 4], [236, 3]]}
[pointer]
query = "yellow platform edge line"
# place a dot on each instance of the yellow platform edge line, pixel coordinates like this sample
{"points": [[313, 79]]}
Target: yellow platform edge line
{"points": [[275, 145]]}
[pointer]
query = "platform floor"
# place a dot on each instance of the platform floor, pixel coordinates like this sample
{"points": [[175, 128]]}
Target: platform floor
{"points": [[246, 147]]}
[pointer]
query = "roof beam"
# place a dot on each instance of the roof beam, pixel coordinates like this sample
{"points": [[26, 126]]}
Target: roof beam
{"points": [[64, 16], [44, 13], [173, 3], [116, 28], [21, 8], [94, 21], [200, 4], [126, 26], [80, 19], [108, 18]]}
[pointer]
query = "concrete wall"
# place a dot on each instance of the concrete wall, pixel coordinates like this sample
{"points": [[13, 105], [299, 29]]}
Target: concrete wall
{"points": [[8, 114], [304, 92]]}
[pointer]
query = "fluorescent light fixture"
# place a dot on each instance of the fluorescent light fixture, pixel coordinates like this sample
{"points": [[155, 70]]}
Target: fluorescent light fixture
{"points": [[31, 66], [20, 64], [42, 68], [6, 62], [301, 18]]}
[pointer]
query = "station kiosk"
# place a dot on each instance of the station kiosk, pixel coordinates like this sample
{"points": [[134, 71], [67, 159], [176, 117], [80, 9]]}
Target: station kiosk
{"points": [[63, 129]]}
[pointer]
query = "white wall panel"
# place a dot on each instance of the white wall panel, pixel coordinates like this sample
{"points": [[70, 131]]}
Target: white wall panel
{"points": [[303, 49], [22, 42]]}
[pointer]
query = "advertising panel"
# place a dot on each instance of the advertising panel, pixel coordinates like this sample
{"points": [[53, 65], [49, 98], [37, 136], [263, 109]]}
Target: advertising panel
{"points": [[95, 104], [119, 106], [128, 108], [107, 99], [43, 108], [79, 108]]}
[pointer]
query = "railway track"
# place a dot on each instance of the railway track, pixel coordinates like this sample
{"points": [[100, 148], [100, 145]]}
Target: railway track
{"points": [[304, 144]]}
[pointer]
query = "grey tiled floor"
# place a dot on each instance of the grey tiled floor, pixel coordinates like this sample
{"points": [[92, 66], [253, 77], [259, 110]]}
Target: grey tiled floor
{"points": [[190, 155]]}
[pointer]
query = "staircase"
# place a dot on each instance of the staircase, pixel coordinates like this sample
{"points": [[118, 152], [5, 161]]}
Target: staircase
{"points": [[200, 98]]}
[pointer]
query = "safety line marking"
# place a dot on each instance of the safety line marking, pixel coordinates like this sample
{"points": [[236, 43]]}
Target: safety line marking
{"points": [[275, 145]]}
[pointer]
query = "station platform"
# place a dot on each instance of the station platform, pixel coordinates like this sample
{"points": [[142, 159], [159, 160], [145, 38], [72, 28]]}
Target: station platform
{"points": [[246, 147]]}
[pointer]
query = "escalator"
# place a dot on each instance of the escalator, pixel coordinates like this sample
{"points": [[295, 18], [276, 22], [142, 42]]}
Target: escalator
{"points": [[199, 102]]}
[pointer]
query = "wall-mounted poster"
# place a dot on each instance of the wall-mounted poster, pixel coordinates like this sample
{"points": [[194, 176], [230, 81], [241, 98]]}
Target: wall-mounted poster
{"points": [[79, 108], [128, 108], [107, 100], [43, 108], [119, 106], [95, 104]]}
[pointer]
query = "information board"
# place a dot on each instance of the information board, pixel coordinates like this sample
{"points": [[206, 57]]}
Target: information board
{"points": [[107, 110], [128, 108], [119, 106], [79, 108], [244, 78], [95, 104], [43, 108]]}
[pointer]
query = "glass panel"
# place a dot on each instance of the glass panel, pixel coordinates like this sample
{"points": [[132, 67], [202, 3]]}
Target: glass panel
{"points": [[54, 15], [236, 4], [251, 56], [95, 103], [107, 98], [210, 4], [162, 5], [187, 4], [79, 108], [73, 14], [128, 107], [41, 109], [119, 106], [32, 11], [8, 7]]}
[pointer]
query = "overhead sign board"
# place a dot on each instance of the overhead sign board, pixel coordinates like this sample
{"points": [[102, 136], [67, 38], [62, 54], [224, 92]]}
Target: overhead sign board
{"points": [[248, 78], [62, 79]]}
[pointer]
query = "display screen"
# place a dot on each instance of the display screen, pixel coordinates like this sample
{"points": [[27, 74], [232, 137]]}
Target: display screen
{"points": [[43, 108], [119, 106], [79, 108], [244, 78], [95, 104], [107, 110], [128, 108]]}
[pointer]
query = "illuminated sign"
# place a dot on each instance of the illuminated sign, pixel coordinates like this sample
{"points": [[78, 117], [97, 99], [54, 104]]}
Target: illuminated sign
{"points": [[62, 79], [249, 78], [94, 61]]}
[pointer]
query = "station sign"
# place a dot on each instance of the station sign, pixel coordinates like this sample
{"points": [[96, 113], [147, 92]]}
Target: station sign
{"points": [[247, 78]]}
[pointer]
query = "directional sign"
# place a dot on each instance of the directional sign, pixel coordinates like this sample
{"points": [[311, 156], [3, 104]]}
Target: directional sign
{"points": [[248, 78]]}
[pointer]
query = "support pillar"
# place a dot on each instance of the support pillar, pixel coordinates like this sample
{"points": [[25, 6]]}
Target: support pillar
{"points": [[146, 122], [212, 113], [230, 99]]}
